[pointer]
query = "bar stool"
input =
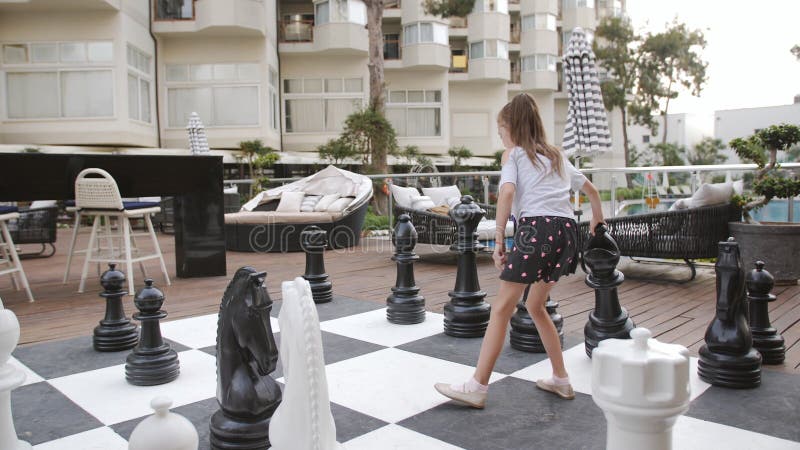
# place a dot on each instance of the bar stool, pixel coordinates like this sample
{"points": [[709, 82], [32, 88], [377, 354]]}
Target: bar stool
{"points": [[8, 252], [97, 195]]}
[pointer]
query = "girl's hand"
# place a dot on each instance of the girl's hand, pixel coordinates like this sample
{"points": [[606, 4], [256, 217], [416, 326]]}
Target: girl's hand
{"points": [[596, 220], [499, 256]]}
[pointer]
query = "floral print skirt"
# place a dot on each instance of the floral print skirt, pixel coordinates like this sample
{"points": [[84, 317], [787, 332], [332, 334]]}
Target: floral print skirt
{"points": [[545, 248]]}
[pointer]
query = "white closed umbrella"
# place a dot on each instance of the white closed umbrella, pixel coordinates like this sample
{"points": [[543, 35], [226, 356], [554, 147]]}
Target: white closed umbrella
{"points": [[586, 132], [198, 143]]}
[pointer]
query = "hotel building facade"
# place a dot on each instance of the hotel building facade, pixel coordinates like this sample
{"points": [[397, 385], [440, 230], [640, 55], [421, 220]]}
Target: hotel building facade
{"points": [[128, 73]]}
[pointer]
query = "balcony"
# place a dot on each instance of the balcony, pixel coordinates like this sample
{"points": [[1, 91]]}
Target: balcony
{"points": [[488, 25], [540, 80], [296, 30], [426, 56], [459, 66], [59, 5], [489, 69], [392, 9], [539, 41], [578, 17], [298, 35], [213, 17]]}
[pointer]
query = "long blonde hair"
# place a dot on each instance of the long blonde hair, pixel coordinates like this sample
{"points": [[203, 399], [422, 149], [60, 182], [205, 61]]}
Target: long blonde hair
{"points": [[525, 127]]}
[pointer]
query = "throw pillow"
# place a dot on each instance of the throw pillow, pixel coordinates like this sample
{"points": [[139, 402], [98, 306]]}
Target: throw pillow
{"points": [[37, 204], [422, 203], [309, 202], [403, 195], [340, 204], [452, 202], [290, 201], [439, 195], [325, 202], [712, 194], [681, 203]]}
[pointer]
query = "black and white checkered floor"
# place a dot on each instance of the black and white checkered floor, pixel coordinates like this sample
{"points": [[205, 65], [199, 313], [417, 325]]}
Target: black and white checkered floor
{"points": [[381, 380]]}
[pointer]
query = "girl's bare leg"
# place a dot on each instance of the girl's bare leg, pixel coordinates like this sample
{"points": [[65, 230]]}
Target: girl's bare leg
{"points": [[502, 310], [547, 329]]}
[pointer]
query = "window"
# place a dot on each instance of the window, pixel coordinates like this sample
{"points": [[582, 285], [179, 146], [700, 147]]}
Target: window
{"points": [[139, 76], [391, 46], [222, 94], [424, 33], [539, 62], [645, 138], [320, 105], [339, 11], [578, 4], [542, 21], [415, 113], [491, 48], [174, 9], [500, 6], [273, 99], [72, 79]]}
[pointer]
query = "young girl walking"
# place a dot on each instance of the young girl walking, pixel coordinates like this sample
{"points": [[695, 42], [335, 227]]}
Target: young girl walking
{"points": [[536, 178]]}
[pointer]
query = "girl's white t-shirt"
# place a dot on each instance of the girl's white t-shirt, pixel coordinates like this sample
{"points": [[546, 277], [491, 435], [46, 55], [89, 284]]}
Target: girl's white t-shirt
{"points": [[540, 191]]}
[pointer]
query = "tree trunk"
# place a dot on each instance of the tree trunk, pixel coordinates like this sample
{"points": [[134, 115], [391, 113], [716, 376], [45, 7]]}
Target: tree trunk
{"points": [[376, 84], [626, 145], [664, 114]]}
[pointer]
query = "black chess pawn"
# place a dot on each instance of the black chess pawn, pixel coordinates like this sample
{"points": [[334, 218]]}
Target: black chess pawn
{"points": [[313, 241], [405, 306], [467, 314], [728, 358], [608, 320], [151, 362], [524, 335], [766, 338], [115, 332]]}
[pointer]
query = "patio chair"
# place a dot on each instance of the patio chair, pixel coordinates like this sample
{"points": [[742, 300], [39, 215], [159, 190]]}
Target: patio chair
{"points": [[686, 234], [97, 196], [36, 225], [8, 251]]}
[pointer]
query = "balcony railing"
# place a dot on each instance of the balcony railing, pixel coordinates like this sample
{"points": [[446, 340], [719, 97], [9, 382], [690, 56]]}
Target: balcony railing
{"points": [[458, 22], [391, 49], [391, 4], [295, 30], [515, 34], [516, 77], [173, 9]]}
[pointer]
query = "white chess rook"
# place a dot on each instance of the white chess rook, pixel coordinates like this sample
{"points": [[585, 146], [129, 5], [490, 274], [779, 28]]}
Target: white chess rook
{"points": [[642, 386], [303, 421], [164, 430], [10, 378]]}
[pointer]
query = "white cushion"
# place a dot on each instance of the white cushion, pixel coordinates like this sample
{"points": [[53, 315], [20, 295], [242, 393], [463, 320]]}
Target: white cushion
{"points": [[340, 204], [309, 202], [36, 204], [712, 194], [681, 203], [331, 185], [230, 190], [486, 229], [290, 202], [439, 195], [422, 203], [403, 195], [325, 202], [452, 202]]}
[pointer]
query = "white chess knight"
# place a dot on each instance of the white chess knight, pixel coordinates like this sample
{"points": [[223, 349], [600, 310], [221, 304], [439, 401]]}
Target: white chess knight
{"points": [[10, 378], [642, 386], [303, 421], [164, 430]]}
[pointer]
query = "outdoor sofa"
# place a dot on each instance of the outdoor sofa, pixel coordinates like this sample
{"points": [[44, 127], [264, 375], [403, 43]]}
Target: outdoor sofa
{"points": [[332, 199]]}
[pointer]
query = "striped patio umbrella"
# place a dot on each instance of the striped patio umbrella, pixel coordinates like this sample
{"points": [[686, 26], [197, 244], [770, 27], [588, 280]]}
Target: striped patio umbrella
{"points": [[198, 143], [586, 132]]}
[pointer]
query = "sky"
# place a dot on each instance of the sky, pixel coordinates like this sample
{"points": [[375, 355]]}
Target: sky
{"points": [[748, 49]]}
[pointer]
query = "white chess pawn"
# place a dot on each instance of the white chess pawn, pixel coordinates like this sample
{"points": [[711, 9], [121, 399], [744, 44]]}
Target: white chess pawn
{"points": [[164, 430], [10, 378], [642, 386]]}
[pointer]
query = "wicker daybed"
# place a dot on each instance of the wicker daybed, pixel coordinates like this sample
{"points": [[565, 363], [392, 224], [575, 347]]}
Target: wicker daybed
{"points": [[260, 227], [435, 228], [686, 234]]}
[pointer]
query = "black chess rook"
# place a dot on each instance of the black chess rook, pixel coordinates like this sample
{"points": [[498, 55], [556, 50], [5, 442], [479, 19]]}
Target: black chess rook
{"points": [[151, 362], [314, 240], [115, 332], [608, 319], [728, 358], [766, 338], [467, 314], [405, 306]]}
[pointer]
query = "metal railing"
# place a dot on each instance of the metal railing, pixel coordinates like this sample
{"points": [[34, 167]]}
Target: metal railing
{"points": [[481, 179], [297, 31]]}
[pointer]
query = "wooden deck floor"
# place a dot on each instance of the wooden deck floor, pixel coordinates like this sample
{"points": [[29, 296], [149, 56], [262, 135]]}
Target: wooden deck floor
{"points": [[674, 312]]}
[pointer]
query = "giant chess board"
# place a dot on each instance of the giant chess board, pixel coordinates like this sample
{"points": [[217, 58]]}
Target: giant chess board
{"points": [[381, 380]]}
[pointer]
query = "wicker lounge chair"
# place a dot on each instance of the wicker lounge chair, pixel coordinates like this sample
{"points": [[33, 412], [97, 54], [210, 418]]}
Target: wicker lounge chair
{"points": [[258, 227], [686, 234], [35, 226], [437, 229]]}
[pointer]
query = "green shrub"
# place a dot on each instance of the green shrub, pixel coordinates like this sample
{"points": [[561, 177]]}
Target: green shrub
{"points": [[375, 222]]}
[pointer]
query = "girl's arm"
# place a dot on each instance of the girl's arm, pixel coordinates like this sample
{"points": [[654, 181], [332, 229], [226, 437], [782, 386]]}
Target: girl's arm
{"points": [[504, 200], [597, 205]]}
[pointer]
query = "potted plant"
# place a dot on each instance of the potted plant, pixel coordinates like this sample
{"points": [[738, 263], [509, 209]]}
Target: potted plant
{"points": [[775, 243]]}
